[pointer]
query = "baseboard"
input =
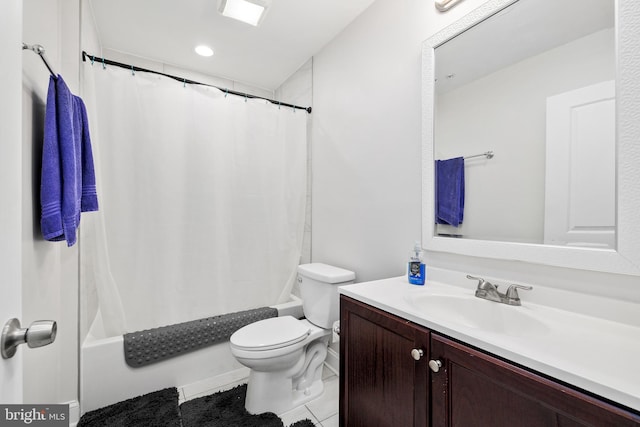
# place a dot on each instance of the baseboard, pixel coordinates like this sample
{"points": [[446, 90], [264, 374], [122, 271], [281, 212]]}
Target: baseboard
{"points": [[333, 361], [74, 413], [214, 384]]}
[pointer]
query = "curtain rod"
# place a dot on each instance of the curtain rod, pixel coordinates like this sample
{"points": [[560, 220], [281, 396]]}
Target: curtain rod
{"points": [[38, 49], [134, 68]]}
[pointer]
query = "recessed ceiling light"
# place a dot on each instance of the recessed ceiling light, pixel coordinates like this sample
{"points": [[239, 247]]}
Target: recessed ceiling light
{"points": [[249, 11], [203, 50]]}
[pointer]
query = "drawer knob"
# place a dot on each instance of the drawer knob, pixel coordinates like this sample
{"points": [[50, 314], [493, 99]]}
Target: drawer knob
{"points": [[417, 353], [435, 365]]}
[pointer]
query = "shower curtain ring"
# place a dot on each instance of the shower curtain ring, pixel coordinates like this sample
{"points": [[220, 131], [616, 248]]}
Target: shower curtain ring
{"points": [[226, 92], [245, 97], [93, 58], [133, 72], [103, 66], [184, 82]]}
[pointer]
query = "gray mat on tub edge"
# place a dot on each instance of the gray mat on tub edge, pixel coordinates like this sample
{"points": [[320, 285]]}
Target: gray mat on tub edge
{"points": [[153, 345]]}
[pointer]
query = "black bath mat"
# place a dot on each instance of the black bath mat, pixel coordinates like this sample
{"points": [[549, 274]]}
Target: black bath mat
{"points": [[160, 409], [226, 409], [157, 409]]}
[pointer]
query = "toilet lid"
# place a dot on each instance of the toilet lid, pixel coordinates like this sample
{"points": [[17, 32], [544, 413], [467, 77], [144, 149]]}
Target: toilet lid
{"points": [[268, 334]]}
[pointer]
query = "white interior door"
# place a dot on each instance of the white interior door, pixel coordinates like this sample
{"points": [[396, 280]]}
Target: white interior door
{"points": [[580, 162], [10, 188]]}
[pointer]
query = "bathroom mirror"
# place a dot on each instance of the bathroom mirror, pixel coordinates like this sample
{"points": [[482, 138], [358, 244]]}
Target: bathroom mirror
{"points": [[517, 81], [473, 98]]}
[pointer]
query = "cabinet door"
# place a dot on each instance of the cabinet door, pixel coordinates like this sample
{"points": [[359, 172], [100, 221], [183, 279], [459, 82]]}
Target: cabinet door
{"points": [[476, 389], [381, 385]]}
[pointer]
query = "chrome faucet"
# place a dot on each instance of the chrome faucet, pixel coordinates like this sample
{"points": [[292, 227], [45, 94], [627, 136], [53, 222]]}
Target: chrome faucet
{"points": [[489, 291]]}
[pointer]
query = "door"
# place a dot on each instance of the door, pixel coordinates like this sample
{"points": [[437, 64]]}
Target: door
{"points": [[580, 167], [10, 188]]}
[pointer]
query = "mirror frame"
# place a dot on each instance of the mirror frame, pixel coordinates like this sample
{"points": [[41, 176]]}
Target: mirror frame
{"points": [[625, 259]]}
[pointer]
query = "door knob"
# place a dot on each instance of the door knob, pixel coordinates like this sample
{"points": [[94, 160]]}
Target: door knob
{"points": [[40, 333], [435, 365], [417, 353]]}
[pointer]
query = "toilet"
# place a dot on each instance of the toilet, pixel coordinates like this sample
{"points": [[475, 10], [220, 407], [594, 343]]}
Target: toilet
{"points": [[285, 354]]}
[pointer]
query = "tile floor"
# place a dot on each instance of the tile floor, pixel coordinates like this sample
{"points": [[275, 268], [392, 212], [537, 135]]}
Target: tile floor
{"points": [[323, 410]]}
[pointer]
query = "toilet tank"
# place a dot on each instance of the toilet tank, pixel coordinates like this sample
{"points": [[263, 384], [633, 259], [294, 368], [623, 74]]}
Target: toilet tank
{"points": [[319, 290]]}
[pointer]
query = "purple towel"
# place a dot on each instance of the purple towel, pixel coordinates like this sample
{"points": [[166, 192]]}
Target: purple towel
{"points": [[68, 184], [450, 191]]}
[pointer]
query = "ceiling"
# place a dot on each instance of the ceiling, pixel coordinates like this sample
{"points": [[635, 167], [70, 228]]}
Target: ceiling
{"points": [[291, 32]]}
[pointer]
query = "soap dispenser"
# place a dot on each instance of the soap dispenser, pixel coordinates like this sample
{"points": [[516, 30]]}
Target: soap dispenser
{"points": [[416, 271]]}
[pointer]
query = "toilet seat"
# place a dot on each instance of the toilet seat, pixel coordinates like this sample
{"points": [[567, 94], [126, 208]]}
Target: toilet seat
{"points": [[270, 334]]}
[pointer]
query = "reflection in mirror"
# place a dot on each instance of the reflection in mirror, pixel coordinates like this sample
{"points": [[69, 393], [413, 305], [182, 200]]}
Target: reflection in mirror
{"points": [[535, 84]]}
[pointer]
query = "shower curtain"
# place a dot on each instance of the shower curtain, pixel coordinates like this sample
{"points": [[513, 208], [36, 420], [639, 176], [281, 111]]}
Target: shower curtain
{"points": [[202, 201]]}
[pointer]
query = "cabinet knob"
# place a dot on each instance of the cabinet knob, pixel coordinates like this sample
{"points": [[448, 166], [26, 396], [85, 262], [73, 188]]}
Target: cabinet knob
{"points": [[417, 353], [435, 365]]}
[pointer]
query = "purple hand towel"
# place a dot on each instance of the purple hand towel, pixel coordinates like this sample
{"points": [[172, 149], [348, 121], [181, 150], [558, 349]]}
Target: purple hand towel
{"points": [[68, 184], [450, 191]]}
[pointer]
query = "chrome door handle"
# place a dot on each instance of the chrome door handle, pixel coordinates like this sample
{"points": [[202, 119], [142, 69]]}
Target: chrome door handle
{"points": [[40, 333]]}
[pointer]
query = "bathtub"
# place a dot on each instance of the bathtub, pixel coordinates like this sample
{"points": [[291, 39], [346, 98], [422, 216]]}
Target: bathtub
{"points": [[105, 378]]}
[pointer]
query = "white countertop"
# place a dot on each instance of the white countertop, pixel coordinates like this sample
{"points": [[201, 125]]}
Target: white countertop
{"points": [[598, 354]]}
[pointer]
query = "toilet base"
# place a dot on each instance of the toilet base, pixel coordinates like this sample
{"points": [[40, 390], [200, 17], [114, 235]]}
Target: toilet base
{"points": [[280, 392], [278, 396]]}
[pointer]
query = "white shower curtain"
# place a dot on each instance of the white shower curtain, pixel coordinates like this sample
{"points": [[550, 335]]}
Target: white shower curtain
{"points": [[202, 200]]}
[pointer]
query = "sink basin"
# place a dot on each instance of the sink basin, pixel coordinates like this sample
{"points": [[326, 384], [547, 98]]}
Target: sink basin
{"points": [[477, 313]]}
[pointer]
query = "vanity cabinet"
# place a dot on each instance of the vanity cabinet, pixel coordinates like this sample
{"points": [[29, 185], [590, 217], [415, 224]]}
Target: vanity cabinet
{"points": [[473, 388], [382, 385], [380, 382]]}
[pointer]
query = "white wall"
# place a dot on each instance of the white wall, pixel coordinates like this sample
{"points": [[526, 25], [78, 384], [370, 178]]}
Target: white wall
{"points": [[49, 270], [366, 137], [366, 155]]}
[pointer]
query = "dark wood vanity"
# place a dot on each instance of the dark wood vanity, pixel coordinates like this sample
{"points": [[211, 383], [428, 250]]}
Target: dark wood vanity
{"points": [[383, 385]]}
